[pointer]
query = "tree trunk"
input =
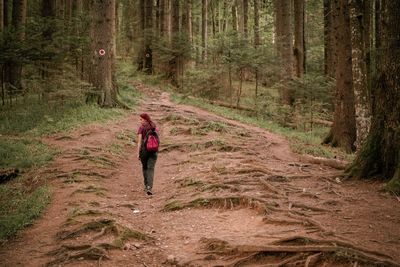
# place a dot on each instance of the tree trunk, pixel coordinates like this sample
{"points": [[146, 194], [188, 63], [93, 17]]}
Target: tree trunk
{"points": [[257, 40], [162, 18], [367, 8], [343, 131], [329, 44], [299, 42], [359, 68], [204, 27], [245, 18], [225, 14], [380, 154], [148, 36], [103, 14], [6, 12], [284, 38], [141, 50], [213, 18], [1, 15], [18, 23], [235, 25], [175, 61]]}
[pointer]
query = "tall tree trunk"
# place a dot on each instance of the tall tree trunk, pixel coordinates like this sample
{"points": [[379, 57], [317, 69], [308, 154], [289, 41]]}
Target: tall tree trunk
{"points": [[367, 18], [329, 42], [257, 40], [1, 65], [1, 15], [285, 47], [204, 29], [299, 41], [6, 13], [190, 20], [14, 68], [162, 18], [245, 18], [224, 16], [142, 14], [343, 131], [213, 17], [103, 14], [380, 154], [148, 54], [359, 67], [235, 25], [175, 61]]}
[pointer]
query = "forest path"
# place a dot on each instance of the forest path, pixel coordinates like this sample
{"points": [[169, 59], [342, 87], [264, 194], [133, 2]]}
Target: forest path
{"points": [[226, 194]]}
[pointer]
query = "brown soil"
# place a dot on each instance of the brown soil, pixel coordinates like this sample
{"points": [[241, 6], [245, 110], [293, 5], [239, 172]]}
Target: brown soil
{"points": [[226, 194]]}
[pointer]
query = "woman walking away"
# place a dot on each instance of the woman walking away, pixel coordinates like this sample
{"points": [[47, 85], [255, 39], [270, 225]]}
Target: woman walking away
{"points": [[147, 150]]}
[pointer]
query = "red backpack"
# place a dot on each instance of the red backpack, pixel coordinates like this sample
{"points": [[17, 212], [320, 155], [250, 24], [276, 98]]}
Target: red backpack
{"points": [[152, 141]]}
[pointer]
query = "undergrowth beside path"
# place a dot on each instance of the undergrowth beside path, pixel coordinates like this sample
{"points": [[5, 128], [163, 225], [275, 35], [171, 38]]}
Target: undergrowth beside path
{"points": [[22, 126]]}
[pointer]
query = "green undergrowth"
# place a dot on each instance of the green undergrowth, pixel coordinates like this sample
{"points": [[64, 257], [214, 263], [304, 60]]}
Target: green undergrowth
{"points": [[301, 142], [24, 124], [19, 208]]}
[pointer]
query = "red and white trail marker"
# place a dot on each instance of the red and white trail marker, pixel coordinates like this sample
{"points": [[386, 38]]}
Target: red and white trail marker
{"points": [[102, 52]]}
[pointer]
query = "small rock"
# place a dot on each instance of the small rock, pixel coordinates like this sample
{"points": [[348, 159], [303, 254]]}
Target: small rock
{"points": [[171, 259], [187, 242], [127, 247]]}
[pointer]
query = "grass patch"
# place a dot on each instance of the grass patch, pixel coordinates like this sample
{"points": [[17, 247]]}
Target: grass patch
{"points": [[19, 209], [24, 153]]}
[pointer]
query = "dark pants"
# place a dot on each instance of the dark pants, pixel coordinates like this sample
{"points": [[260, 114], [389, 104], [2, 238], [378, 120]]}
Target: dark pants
{"points": [[148, 164]]}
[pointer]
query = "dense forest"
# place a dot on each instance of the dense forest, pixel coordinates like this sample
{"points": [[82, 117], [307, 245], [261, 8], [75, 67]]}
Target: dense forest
{"points": [[224, 80], [300, 63]]}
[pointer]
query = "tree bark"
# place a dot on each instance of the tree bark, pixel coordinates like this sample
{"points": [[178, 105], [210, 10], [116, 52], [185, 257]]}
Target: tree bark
{"points": [[1, 15], [225, 14], [329, 43], [162, 18], [103, 14], [299, 41], [257, 39], [284, 38], [148, 36], [204, 29], [343, 131], [14, 68], [380, 154], [141, 50], [359, 70], [245, 18], [175, 61], [235, 25]]}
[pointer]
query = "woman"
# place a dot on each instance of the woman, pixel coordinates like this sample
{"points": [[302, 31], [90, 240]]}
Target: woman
{"points": [[148, 159]]}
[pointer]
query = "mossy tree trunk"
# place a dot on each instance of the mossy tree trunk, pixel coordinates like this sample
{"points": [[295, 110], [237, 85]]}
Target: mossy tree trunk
{"points": [[362, 97], [380, 154], [343, 131]]}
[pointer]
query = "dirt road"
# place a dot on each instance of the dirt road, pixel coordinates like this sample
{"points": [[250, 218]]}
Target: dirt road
{"points": [[226, 194]]}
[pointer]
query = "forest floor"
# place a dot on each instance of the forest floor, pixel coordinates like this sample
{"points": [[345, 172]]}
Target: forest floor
{"points": [[225, 194]]}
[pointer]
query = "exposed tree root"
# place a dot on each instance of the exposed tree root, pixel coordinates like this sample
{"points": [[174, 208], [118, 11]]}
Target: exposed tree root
{"points": [[270, 187], [224, 203], [89, 227], [337, 164], [329, 248], [66, 254]]}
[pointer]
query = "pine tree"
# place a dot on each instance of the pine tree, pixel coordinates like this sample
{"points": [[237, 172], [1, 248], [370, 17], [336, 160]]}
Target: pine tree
{"points": [[380, 154], [343, 130]]}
